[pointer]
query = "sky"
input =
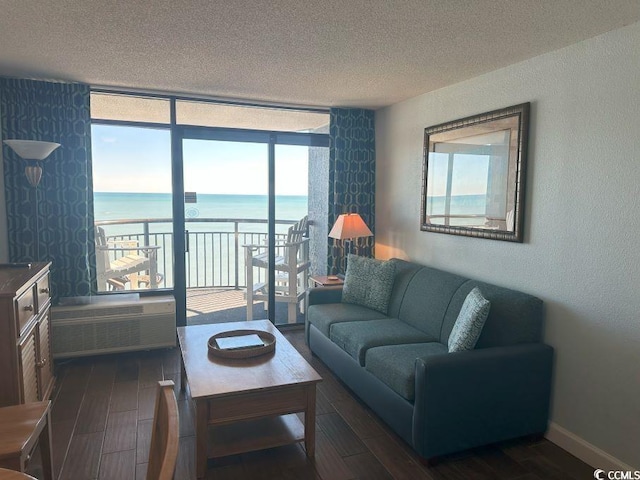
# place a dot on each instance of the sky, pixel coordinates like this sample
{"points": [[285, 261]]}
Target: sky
{"points": [[132, 159], [469, 176]]}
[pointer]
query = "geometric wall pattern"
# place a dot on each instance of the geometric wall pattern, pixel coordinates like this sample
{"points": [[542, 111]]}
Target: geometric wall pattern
{"points": [[63, 202], [352, 176]]}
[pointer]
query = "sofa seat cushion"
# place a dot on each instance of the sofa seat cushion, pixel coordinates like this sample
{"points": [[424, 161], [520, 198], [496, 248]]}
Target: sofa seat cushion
{"points": [[356, 338], [394, 365], [322, 316]]}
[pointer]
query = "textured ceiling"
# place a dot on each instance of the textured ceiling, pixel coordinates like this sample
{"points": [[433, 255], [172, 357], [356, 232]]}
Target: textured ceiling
{"points": [[367, 53]]}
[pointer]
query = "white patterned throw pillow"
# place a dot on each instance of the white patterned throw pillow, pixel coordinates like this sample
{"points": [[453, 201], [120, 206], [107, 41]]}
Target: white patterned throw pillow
{"points": [[469, 323]]}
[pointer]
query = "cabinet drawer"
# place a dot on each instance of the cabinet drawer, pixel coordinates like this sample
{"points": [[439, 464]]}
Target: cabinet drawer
{"points": [[25, 309], [42, 291]]}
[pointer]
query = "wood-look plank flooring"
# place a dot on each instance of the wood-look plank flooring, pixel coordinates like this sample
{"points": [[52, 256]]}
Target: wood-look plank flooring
{"points": [[103, 409]]}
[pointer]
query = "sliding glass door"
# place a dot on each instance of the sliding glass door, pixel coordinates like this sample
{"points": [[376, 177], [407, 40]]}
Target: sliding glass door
{"points": [[244, 203], [208, 200], [292, 264], [226, 211]]}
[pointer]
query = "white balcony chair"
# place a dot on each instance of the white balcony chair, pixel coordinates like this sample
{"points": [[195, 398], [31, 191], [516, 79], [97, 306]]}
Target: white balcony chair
{"points": [[131, 262], [292, 271]]}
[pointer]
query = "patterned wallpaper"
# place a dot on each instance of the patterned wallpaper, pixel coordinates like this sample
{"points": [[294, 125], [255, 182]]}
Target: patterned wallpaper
{"points": [[352, 172], [58, 112]]}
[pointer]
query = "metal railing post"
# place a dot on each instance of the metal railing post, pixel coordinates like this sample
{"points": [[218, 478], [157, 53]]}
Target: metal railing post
{"points": [[145, 231], [164, 265], [237, 254]]}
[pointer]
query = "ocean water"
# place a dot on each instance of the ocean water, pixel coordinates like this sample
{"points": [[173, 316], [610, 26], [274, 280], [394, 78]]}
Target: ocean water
{"points": [[212, 257], [157, 206]]}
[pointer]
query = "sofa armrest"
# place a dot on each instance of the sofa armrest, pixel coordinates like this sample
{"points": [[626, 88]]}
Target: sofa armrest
{"points": [[320, 295], [471, 398]]}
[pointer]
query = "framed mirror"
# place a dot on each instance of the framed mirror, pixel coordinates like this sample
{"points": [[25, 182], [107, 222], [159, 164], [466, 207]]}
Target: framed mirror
{"points": [[474, 175]]}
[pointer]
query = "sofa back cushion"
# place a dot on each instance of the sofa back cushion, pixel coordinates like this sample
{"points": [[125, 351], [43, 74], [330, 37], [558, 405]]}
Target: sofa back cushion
{"points": [[514, 317], [427, 297], [404, 272]]}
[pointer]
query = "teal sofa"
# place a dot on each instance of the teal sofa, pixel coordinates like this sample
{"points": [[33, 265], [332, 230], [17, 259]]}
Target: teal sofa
{"points": [[398, 363]]}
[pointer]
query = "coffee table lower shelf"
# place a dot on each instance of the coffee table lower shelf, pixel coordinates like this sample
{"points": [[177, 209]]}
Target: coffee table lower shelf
{"points": [[251, 435]]}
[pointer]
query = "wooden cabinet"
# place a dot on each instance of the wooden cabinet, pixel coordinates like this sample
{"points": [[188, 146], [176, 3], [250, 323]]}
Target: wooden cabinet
{"points": [[26, 369]]}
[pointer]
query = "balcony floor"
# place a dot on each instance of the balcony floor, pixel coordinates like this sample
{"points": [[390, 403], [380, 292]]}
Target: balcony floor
{"points": [[220, 305]]}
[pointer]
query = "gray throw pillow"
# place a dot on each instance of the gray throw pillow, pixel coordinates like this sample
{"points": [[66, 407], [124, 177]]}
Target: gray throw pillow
{"points": [[469, 323], [368, 282]]}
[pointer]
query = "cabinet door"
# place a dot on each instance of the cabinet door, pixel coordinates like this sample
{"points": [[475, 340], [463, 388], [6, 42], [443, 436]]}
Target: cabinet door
{"points": [[45, 374], [28, 368]]}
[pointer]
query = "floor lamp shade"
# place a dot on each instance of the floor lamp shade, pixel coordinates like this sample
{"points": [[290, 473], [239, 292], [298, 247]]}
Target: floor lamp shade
{"points": [[34, 150]]}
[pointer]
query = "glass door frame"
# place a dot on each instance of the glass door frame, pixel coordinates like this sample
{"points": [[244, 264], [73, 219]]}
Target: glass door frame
{"points": [[271, 139], [179, 132]]}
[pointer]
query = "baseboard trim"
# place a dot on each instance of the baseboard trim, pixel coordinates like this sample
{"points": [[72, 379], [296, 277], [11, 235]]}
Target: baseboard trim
{"points": [[582, 449]]}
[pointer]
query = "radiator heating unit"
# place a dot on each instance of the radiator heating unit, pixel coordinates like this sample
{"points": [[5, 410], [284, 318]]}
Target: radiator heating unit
{"points": [[97, 325]]}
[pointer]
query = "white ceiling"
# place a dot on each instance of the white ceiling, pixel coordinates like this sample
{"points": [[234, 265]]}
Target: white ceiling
{"points": [[367, 53]]}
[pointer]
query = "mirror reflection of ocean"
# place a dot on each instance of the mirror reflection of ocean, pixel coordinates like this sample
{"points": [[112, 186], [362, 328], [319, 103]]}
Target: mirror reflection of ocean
{"points": [[460, 204]]}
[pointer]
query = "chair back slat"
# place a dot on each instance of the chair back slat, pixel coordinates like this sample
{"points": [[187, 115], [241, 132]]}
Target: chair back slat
{"points": [[295, 235], [163, 453], [103, 263], [101, 237]]}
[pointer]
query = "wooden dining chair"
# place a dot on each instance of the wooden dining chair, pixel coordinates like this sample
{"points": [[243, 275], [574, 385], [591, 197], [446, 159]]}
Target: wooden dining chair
{"points": [[163, 453], [21, 427], [14, 475]]}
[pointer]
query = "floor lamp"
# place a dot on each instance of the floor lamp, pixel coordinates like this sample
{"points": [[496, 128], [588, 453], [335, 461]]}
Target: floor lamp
{"points": [[34, 152], [349, 227]]}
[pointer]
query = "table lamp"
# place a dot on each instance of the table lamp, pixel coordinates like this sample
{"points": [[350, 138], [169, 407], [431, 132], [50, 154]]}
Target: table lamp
{"points": [[349, 226]]}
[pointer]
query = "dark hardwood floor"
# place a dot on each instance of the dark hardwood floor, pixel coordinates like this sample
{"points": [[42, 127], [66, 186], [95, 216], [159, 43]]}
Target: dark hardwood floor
{"points": [[103, 408]]}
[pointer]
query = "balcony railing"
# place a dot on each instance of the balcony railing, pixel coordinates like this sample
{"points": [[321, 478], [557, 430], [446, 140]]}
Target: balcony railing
{"points": [[215, 254]]}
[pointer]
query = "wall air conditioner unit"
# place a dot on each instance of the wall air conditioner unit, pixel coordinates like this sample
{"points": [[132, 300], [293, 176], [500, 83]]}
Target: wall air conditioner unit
{"points": [[110, 324]]}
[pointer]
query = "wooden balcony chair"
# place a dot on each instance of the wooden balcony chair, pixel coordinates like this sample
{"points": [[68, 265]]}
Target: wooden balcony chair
{"points": [[291, 266], [134, 259], [163, 453], [21, 427]]}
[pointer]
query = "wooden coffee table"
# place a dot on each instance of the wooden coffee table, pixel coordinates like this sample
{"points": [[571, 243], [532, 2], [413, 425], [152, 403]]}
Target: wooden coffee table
{"points": [[247, 404]]}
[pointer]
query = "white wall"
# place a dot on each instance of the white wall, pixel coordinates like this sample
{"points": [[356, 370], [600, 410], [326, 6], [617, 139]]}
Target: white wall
{"points": [[581, 253]]}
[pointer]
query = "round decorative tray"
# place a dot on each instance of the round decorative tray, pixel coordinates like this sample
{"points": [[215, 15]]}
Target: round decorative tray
{"points": [[268, 340]]}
